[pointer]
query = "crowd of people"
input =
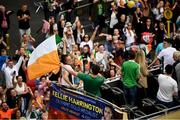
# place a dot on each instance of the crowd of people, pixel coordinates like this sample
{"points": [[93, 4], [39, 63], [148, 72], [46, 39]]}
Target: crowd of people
{"points": [[135, 38]]}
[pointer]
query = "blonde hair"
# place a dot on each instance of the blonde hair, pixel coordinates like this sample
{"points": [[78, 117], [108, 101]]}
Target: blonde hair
{"points": [[140, 56], [176, 54], [141, 60]]}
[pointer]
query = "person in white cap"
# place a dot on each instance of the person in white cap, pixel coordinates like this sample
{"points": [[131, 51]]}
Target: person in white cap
{"points": [[68, 36]]}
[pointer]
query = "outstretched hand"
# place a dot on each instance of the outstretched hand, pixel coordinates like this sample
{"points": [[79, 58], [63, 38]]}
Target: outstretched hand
{"points": [[61, 64]]}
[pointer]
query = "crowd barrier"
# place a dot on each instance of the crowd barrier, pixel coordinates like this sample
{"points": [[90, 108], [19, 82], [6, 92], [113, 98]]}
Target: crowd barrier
{"points": [[159, 113]]}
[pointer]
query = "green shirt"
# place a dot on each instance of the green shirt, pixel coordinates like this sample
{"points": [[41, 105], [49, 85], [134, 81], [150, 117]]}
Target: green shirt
{"points": [[100, 9], [92, 84], [130, 72]]}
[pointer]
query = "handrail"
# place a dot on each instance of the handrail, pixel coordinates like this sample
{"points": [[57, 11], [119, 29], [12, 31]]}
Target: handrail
{"points": [[39, 5], [82, 6], [156, 113]]}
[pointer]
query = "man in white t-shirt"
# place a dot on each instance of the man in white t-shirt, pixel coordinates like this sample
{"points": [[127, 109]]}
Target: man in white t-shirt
{"points": [[167, 87], [166, 54]]}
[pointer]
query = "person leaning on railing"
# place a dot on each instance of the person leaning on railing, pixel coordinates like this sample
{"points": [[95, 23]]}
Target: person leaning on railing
{"points": [[167, 87], [92, 82]]}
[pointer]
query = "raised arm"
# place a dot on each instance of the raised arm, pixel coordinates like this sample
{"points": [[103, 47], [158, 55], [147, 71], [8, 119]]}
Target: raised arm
{"points": [[64, 46], [4, 66], [114, 64], [32, 39], [174, 6], [83, 32], [103, 34], [30, 91], [74, 24], [18, 64], [94, 33]]}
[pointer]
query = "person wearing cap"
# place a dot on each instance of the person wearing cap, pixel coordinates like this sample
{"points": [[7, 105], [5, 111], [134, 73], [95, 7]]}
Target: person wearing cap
{"points": [[68, 37], [68, 26]]}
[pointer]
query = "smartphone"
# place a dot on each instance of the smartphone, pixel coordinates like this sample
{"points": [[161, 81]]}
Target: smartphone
{"points": [[14, 73]]}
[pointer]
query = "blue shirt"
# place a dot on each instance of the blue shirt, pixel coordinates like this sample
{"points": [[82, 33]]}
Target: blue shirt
{"points": [[2, 60], [159, 48], [109, 47]]}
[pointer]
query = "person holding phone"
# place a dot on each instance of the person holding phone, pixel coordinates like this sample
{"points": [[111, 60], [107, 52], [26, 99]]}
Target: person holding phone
{"points": [[10, 69], [23, 16]]}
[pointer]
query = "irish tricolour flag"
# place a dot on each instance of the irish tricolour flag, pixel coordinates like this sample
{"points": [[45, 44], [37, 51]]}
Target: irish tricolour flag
{"points": [[44, 58]]}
